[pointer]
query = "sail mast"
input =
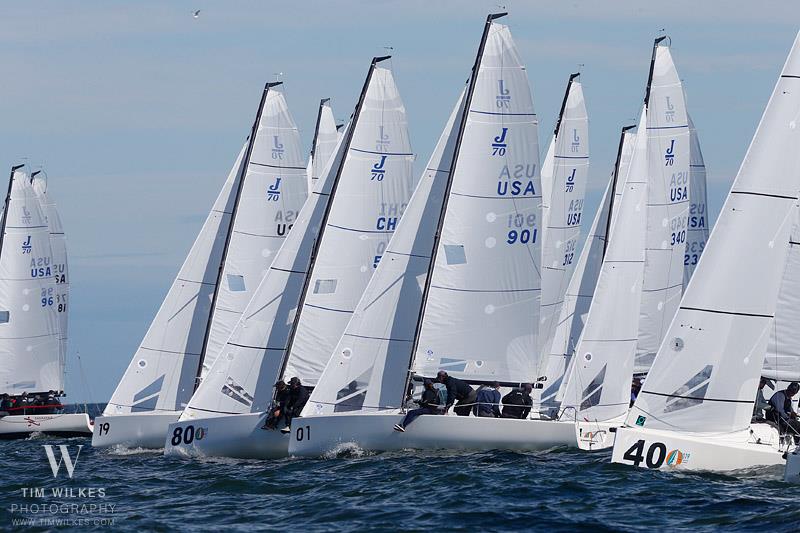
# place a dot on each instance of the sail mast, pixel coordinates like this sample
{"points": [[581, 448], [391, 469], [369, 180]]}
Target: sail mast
{"points": [[564, 102], [334, 186], [316, 128], [437, 236], [652, 66], [5, 210], [242, 174], [614, 180]]}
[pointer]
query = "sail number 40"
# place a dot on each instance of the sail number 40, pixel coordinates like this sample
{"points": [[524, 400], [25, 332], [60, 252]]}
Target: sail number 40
{"points": [[656, 454]]}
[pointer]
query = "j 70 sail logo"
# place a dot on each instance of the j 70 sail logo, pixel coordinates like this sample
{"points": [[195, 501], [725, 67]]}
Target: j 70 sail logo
{"points": [[26, 246], [503, 96], [26, 215], [382, 142], [570, 185], [669, 155], [273, 191], [378, 172], [576, 141], [499, 145], [65, 458], [669, 112], [277, 148]]}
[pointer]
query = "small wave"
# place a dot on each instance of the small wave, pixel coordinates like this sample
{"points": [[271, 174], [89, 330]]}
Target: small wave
{"points": [[347, 450], [121, 449]]}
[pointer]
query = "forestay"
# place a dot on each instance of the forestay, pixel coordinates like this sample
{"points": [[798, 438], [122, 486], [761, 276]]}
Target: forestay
{"points": [[163, 371], [578, 297], [373, 191], [369, 367], [565, 169], [603, 366], [698, 206], [705, 376], [29, 349], [326, 137], [481, 312], [667, 204], [271, 194], [58, 246]]}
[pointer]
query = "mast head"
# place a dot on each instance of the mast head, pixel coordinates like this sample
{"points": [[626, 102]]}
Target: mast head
{"points": [[573, 76], [17, 167], [324, 101], [271, 84], [378, 59], [495, 16], [627, 128]]}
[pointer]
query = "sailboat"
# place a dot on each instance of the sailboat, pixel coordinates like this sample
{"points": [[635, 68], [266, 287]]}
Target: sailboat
{"points": [[461, 289], [291, 325], [251, 217], [31, 355], [326, 137], [694, 411]]}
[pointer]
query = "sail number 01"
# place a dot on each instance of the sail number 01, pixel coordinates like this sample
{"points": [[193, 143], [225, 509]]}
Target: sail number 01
{"points": [[656, 454], [302, 433]]}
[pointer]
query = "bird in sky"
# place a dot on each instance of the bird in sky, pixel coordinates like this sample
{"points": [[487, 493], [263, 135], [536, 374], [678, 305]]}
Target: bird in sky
{"points": [[196, 14]]}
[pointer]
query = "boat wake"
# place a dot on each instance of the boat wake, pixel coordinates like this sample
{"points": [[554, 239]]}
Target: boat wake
{"points": [[347, 450]]}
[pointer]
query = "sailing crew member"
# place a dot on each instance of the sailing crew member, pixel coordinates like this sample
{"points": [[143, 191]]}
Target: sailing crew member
{"points": [[278, 408], [298, 396], [761, 404], [458, 390], [433, 402], [782, 411], [488, 400], [5, 404], [636, 387], [518, 402]]}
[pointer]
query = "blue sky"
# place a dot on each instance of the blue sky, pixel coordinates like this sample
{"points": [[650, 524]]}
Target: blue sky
{"points": [[137, 110]]}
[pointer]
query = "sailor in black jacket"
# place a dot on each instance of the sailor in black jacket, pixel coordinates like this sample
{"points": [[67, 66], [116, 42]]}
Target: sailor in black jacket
{"points": [[458, 391]]}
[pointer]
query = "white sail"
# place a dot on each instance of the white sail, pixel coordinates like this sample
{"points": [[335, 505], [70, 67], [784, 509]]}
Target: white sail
{"points": [[481, 313], [597, 388], [271, 194], [578, 297], [705, 376], [667, 204], [348, 197], [326, 137], [369, 366], [698, 206], [58, 246], [29, 347], [567, 173], [372, 193], [783, 350], [163, 371]]}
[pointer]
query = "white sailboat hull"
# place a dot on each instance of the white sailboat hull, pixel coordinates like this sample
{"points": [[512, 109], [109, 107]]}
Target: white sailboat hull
{"points": [[139, 430], [792, 472], [315, 436], [668, 450], [61, 425], [236, 436]]}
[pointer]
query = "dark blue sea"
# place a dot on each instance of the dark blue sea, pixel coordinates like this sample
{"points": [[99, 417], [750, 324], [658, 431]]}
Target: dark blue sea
{"points": [[558, 490]]}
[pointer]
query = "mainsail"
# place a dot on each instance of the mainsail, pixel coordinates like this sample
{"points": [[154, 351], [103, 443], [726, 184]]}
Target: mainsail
{"points": [[565, 169], [697, 235], [326, 137], [58, 245], [706, 373], [29, 332], [667, 203], [603, 364], [325, 263]]}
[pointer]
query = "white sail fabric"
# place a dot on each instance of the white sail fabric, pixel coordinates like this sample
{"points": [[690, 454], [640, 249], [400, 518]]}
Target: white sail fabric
{"points": [[597, 388], [163, 371], [563, 210], [369, 366], [272, 192], [58, 246], [667, 206], [242, 379], [481, 313], [374, 188], [783, 351], [578, 297], [326, 137], [705, 376], [698, 206], [29, 348]]}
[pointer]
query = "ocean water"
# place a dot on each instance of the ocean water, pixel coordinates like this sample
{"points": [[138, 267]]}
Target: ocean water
{"points": [[557, 490]]}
